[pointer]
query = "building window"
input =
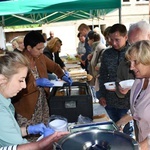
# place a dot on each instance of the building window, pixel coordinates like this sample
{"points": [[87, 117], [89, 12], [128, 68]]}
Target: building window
{"points": [[142, 0], [126, 0]]}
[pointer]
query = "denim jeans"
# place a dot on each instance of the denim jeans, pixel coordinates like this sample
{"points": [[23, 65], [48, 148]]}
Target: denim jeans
{"points": [[97, 94], [93, 91], [116, 114]]}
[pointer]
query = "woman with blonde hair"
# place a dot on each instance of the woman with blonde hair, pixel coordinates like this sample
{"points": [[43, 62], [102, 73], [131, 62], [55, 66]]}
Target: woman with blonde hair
{"points": [[55, 44], [14, 68], [20, 43], [15, 45], [138, 55], [52, 51]]}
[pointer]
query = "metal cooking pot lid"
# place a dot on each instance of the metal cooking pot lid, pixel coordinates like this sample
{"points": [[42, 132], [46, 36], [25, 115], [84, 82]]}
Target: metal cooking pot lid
{"points": [[96, 139]]}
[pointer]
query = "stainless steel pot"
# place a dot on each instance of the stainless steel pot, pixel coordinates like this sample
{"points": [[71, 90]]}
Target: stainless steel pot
{"points": [[96, 139]]}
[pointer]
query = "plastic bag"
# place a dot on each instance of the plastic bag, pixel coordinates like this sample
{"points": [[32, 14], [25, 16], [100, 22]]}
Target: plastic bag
{"points": [[83, 119]]}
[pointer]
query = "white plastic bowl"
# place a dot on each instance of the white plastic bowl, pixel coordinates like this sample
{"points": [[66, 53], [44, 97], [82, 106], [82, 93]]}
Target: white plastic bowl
{"points": [[110, 85], [59, 125], [126, 84]]}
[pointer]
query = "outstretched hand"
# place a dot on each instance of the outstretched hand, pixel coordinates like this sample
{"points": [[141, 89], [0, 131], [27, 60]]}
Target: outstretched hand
{"points": [[102, 102], [36, 129], [67, 73], [48, 131], [44, 82], [123, 90], [67, 79]]}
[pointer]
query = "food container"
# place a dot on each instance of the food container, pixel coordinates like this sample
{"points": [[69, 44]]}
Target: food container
{"points": [[126, 84], [110, 85], [78, 74], [70, 102], [105, 125], [96, 139], [59, 125]]}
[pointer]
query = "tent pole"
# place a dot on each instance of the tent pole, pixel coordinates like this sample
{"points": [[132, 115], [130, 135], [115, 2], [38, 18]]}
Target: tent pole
{"points": [[92, 24], [3, 21], [98, 19], [149, 11], [99, 24], [120, 15], [91, 16]]}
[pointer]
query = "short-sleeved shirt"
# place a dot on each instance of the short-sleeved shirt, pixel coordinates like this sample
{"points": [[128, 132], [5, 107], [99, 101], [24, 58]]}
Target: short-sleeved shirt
{"points": [[10, 133]]}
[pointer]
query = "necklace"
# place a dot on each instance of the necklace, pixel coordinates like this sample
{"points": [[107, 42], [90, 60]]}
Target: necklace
{"points": [[35, 72]]}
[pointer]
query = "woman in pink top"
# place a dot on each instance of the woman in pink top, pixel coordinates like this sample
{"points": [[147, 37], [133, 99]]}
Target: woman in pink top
{"points": [[139, 57]]}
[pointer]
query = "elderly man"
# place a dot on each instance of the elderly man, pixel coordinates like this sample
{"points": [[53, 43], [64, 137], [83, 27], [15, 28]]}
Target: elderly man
{"points": [[51, 33]]}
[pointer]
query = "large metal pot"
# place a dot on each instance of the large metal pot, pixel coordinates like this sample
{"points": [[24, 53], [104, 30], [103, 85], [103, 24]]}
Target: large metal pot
{"points": [[96, 139]]}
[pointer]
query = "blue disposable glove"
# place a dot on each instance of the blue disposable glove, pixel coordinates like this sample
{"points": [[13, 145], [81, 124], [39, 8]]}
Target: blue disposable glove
{"points": [[48, 131], [36, 129], [67, 79], [67, 73], [44, 82]]}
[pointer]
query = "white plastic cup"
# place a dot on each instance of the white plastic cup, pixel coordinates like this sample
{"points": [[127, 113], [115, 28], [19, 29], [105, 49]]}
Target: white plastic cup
{"points": [[59, 125]]}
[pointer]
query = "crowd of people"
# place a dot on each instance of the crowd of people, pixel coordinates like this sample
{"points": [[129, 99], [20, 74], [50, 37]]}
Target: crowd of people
{"points": [[122, 55], [126, 56]]}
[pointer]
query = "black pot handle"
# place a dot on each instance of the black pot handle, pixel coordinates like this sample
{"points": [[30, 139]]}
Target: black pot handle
{"points": [[57, 146]]}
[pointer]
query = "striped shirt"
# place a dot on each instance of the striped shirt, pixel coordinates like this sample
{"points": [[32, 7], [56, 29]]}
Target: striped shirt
{"points": [[14, 147]]}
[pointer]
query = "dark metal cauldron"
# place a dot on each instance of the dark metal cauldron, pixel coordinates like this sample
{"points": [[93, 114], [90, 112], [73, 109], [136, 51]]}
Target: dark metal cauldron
{"points": [[96, 139]]}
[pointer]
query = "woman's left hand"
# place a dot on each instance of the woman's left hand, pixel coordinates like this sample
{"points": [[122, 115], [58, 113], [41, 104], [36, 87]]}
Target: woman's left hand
{"points": [[144, 145], [123, 91]]}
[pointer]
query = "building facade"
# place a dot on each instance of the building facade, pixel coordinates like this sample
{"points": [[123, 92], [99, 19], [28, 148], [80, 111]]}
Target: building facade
{"points": [[130, 12]]}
